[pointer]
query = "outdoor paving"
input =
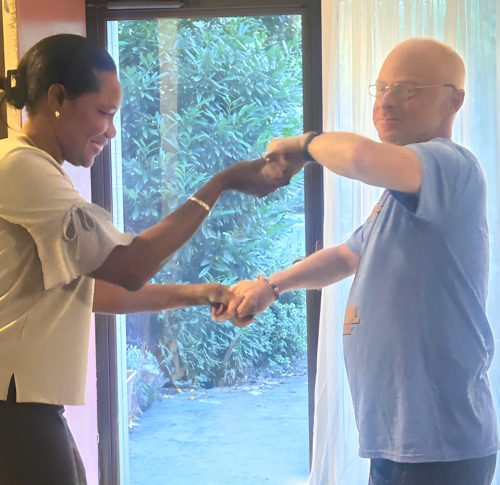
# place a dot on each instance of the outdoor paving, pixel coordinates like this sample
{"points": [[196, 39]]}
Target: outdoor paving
{"points": [[246, 435]]}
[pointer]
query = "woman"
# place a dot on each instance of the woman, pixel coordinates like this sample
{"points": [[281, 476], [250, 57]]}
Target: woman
{"points": [[61, 257]]}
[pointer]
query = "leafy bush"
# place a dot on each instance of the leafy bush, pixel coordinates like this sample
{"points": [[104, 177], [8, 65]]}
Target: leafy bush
{"points": [[216, 90]]}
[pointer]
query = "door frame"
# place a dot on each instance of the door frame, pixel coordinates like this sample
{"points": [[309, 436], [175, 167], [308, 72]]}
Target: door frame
{"points": [[98, 14]]}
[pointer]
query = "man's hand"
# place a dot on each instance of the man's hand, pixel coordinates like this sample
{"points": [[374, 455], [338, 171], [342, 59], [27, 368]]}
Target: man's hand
{"points": [[285, 156], [249, 298]]}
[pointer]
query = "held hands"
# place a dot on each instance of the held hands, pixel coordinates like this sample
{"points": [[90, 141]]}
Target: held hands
{"points": [[284, 158], [250, 177], [287, 156], [213, 294], [249, 298]]}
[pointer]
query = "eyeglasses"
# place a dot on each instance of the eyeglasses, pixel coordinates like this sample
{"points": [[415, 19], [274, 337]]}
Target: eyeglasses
{"points": [[402, 90]]}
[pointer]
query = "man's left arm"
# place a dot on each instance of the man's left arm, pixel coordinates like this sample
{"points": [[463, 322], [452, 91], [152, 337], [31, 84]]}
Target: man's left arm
{"points": [[381, 164]]}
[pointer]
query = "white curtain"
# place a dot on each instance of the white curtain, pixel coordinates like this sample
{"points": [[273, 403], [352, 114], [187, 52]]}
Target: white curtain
{"points": [[357, 35]]}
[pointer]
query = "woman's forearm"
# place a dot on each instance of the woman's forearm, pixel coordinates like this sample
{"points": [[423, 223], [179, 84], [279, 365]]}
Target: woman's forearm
{"points": [[133, 265], [109, 298]]}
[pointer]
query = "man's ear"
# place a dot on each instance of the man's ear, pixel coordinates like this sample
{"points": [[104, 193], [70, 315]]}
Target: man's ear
{"points": [[458, 99], [56, 95]]}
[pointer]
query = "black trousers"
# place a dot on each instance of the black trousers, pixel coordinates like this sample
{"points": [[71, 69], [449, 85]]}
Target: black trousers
{"points": [[478, 471], [36, 445]]}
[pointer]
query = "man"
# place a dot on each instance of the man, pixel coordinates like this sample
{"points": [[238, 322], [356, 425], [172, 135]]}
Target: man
{"points": [[417, 341]]}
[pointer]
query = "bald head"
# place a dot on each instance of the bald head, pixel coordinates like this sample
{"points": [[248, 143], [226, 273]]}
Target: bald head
{"points": [[437, 73], [424, 60]]}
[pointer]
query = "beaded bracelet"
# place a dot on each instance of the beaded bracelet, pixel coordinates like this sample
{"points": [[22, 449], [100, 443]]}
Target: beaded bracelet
{"points": [[274, 287], [200, 203]]}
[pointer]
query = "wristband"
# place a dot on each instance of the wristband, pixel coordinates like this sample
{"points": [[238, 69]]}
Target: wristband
{"points": [[309, 138], [274, 287]]}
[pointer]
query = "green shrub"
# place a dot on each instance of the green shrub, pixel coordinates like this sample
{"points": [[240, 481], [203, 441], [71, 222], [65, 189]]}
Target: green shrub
{"points": [[216, 90]]}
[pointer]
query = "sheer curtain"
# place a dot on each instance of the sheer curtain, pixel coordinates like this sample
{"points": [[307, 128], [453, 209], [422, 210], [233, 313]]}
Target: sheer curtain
{"points": [[357, 35]]}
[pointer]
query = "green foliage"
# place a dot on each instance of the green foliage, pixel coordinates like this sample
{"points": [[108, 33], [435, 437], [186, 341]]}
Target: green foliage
{"points": [[216, 90], [219, 354]]}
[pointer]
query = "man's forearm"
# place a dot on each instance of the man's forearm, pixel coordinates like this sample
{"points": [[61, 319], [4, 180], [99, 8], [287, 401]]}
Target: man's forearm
{"points": [[318, 270], [357, 157]]}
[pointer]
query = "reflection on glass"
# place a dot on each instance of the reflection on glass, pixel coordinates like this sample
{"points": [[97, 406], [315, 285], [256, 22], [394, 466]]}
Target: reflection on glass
{"points": [[208, 403]]}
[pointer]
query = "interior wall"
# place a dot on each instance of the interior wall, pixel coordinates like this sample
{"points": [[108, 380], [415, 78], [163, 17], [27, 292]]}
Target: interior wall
{"points": [[10, 52], [25, 22], [3, 112]]}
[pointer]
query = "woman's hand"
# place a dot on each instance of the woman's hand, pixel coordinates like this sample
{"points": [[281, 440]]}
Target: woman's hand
{"points": [[213, 294], [255, 177], [285, 156], [249, 297], [219, 297]]}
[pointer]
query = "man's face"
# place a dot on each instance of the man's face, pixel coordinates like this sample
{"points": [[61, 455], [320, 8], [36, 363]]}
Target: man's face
{"points": [[425, 114]]}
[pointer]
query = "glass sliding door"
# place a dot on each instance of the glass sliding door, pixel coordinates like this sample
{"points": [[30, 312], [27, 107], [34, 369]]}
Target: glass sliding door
{"points": [[200, 402], [200, 94]]}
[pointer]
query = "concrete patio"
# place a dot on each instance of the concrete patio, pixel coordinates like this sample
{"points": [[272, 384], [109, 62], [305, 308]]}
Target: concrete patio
{"points": [[244, 435]]}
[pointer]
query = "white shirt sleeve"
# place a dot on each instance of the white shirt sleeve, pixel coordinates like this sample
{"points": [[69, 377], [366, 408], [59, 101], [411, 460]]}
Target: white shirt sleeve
{"points": [[72, 237]]}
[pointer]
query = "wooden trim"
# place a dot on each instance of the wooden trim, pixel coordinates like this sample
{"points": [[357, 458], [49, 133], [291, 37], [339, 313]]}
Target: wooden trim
{"points": [[106, 358], [3, 110], [214, 4], [313, 187]]}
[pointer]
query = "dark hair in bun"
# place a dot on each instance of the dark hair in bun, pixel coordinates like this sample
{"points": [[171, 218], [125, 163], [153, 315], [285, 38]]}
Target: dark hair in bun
{"points": [[67, 59]]}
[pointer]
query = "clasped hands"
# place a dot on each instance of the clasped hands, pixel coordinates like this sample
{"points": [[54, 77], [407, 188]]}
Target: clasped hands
{"points": [[283, 159], [248, 297]]}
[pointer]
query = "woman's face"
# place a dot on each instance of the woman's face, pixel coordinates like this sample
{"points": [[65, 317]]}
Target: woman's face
{"points": [[86, 124]]}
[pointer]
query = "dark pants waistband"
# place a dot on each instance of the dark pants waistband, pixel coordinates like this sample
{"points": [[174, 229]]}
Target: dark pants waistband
{"points": [[476, 471]]}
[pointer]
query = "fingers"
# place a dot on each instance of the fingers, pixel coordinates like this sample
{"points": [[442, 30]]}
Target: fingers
{"points": [[228, 312], [242, 321], [218, 309], [256, 297], [239, 321], [222, 295], [235, 320], [275, 171], [234, 304], [281, 166], [248, 298], [249, 305]]}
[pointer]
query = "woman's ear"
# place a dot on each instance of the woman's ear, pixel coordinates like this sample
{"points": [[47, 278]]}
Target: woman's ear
{"points": [[56, 95]]}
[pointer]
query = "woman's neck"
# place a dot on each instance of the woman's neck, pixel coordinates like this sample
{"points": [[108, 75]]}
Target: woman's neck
{"points": [[40, 134]]}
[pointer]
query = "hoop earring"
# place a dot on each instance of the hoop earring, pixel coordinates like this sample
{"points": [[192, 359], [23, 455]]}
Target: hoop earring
{"points": [[57, 114]]}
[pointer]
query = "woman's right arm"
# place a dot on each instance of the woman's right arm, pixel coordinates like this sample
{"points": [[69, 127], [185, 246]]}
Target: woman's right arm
{"points": [[112, 299], [132, 266]]}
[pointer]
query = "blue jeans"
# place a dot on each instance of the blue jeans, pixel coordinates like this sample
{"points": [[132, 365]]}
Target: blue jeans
{"points": [[477, 471]]}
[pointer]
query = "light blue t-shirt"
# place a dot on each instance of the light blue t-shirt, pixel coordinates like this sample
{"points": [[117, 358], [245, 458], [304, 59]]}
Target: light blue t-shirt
{"points": [[417, 341]]}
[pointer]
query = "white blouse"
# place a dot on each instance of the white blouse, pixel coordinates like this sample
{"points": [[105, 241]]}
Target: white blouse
{"points": [[50, 238]]}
